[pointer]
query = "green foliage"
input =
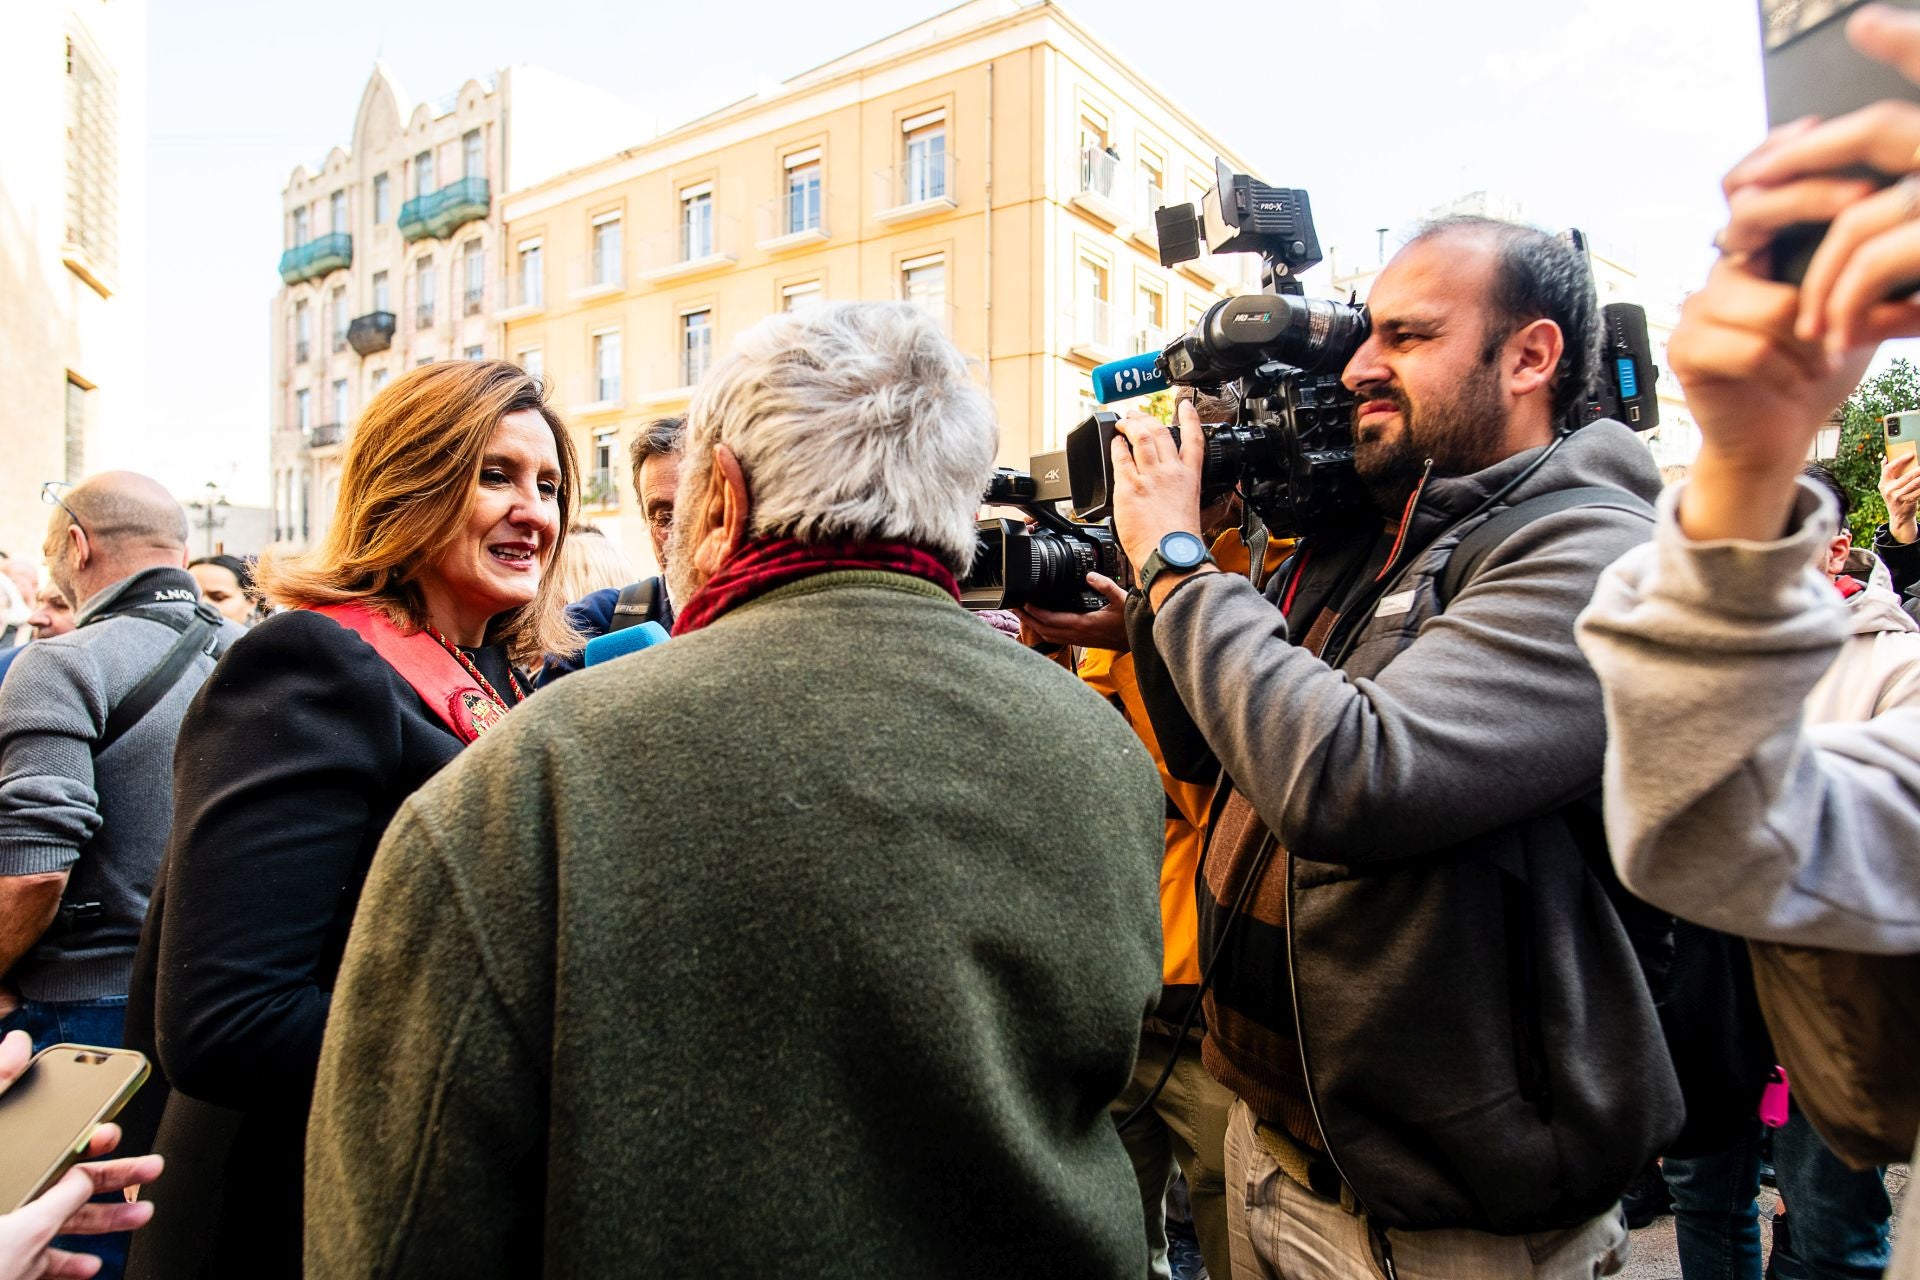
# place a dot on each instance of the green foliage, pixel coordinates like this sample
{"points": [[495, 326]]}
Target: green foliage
{"points": [[1158, 405], [1863, 449]]}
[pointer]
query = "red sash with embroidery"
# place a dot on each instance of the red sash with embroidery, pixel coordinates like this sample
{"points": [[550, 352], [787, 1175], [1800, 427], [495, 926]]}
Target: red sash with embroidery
{"points": [[434, 674]]}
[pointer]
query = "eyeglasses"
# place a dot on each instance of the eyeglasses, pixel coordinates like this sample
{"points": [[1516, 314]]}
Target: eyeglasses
{"points": [[50, 494]]}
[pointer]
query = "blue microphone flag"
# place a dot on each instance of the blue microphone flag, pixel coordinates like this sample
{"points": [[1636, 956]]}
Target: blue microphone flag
{"points": [[618, 644], [1140, 375]]}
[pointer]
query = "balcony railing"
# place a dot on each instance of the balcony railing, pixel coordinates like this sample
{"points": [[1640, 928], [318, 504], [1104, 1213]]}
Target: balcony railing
{"points": [[317, 257], [596, 392], [688, 250], [915, 188], [599, 273], [1098, 171], [1094, 329], [423, 316], [601, 490], [327, 433], [440, 214], [371, 333], [526, 292], [302, 351], [475, 299], [786, 222], [1149, 337], [1147, 197]]}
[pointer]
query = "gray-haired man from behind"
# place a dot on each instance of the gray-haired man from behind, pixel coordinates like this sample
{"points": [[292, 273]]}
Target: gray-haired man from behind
{"points": [[87, 727], [837, 895]]}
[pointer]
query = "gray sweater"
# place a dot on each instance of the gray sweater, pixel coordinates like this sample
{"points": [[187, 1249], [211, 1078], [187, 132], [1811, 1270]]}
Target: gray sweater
{"points": [[814, 943], [1723, 804], [103, 820]]}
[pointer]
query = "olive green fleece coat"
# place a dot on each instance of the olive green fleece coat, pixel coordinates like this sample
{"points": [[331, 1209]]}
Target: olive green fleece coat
{"points": [[814, 943]]}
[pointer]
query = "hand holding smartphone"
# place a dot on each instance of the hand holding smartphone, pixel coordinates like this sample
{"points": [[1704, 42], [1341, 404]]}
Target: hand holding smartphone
{"points": [[50, 1111]]}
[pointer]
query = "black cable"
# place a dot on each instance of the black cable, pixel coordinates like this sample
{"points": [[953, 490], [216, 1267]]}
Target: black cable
{"points": [[1254, 871]]}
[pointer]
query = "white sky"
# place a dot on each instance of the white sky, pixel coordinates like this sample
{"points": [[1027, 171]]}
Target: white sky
{"points": [[1616, 116]]}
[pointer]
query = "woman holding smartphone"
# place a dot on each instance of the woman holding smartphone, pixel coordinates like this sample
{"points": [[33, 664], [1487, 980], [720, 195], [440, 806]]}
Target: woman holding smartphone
{"points": [[403, 638]]}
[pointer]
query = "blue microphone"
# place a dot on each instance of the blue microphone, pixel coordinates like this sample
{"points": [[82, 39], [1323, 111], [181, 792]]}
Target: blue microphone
{"points": [[1140, 375], [618, 644]]}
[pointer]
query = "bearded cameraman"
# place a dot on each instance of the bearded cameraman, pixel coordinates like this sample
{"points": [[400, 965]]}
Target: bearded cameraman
{"points": [[1419, 983]]}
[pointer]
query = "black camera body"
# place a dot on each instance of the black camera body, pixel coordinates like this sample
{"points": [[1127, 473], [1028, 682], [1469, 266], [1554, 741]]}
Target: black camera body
{"points": [[1277, 354], [1045, 563]]}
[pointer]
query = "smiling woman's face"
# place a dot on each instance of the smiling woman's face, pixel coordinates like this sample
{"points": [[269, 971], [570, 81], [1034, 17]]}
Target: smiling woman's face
{"points": [[495, 563]]}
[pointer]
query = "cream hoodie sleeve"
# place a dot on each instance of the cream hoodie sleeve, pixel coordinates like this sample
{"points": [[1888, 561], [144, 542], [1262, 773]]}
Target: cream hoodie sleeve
{"points": [[1723, 805]]}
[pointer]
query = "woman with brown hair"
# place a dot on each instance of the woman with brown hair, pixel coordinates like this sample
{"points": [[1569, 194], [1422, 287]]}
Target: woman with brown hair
{"points": [[399, 644]]}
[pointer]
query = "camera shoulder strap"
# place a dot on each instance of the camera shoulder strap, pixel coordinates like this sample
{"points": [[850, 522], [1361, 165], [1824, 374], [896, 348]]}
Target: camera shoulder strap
{"points": [[199, 633], [1465, 562]]}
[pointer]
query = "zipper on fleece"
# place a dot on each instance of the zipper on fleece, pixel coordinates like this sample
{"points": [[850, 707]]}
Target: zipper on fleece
{"points": [[1361, 609]]}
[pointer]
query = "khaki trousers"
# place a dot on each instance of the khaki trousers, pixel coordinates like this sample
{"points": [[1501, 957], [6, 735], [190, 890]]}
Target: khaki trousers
{"points": [[1282, 1231], [1183, 1132]]}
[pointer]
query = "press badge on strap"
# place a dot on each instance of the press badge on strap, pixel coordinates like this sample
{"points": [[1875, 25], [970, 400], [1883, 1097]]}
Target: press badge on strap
{"points": [[1394, 605]]}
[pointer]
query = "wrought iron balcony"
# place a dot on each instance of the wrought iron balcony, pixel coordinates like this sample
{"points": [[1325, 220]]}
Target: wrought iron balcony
{"points": [[317, 257], [440, 214], [327, 433], [372, 332]]}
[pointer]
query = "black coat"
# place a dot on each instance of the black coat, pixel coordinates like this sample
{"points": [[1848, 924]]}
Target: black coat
{"points": [[291, 762]]}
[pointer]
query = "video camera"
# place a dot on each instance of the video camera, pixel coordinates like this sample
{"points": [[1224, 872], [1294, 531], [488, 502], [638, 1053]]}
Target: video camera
{"points": [[1046, 564], [1278, 356]]}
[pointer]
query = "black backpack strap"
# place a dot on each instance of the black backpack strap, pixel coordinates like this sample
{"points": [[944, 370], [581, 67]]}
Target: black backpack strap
{"points": [[639, 602], [199, 633], [1474, 549]]}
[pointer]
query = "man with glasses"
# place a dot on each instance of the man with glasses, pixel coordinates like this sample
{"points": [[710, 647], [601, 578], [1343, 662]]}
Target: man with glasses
{"points": [[87, 727]]}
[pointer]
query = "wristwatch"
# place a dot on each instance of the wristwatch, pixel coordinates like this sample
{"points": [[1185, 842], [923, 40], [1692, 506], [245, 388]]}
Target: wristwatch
{"points": [[1178, 551]]}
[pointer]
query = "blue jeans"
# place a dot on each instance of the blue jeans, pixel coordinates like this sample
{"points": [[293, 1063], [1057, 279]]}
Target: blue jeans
{"points": [[97, 1022], [1716, 1223], [1838, 1216]]}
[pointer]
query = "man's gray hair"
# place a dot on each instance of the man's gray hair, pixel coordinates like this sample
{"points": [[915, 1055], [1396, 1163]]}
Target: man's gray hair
{"points": [[853, 421], [659, 438]]}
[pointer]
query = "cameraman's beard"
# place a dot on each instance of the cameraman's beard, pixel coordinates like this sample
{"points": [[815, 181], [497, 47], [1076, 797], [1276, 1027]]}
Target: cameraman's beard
{"points": [[1461, 433]]}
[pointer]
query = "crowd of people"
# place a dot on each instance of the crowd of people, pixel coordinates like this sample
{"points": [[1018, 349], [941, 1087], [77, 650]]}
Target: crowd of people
{"points": [[1444, 875]]}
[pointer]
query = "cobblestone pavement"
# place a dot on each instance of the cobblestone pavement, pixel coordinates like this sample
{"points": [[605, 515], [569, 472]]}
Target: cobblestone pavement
{"points": [[1655, 1258]]}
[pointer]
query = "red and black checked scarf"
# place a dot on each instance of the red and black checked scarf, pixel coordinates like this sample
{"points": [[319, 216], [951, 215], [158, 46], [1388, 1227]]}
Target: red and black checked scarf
{"points": [[762, 564]]}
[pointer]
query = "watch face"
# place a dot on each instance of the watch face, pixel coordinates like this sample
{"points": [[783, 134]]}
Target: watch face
{"points": [[1182, 550]]}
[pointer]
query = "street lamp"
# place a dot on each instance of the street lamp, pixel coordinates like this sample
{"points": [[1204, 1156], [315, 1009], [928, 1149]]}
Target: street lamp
{"points": [[210, 508]]}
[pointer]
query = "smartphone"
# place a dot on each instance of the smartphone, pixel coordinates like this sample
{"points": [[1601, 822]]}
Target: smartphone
{"points": [[48, 1116], [1811, 70], [1902, 433]]}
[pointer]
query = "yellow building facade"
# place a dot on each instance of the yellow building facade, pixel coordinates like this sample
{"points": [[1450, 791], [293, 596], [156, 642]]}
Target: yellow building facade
{"points": [[995, 165]]}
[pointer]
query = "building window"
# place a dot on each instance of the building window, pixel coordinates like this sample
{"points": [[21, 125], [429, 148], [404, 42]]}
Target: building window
{"points": [[382, 295], [75, 455], [300, 233], [923, 282], [473, 158], [382, 199], [533, 362], [422, 362], [606, 249], [532, 275], [798, 297], [341, 319], [1099, 160], [1150, 174], [342, 410], [696, 346], [1092, 316], [1152, 308], [92, 152], [423, 174], [803, 191], [380, 377], [303, 409], [696, 223], [601, 489], [606, 367], [474, 263], [337, 212], [476, 352], [425, 285], [302, 333], [926, 157]]}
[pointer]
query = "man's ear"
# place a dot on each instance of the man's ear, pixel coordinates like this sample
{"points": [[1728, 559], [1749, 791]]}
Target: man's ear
{"points": [[724, 512], [1533, 357], [82, 546]]}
